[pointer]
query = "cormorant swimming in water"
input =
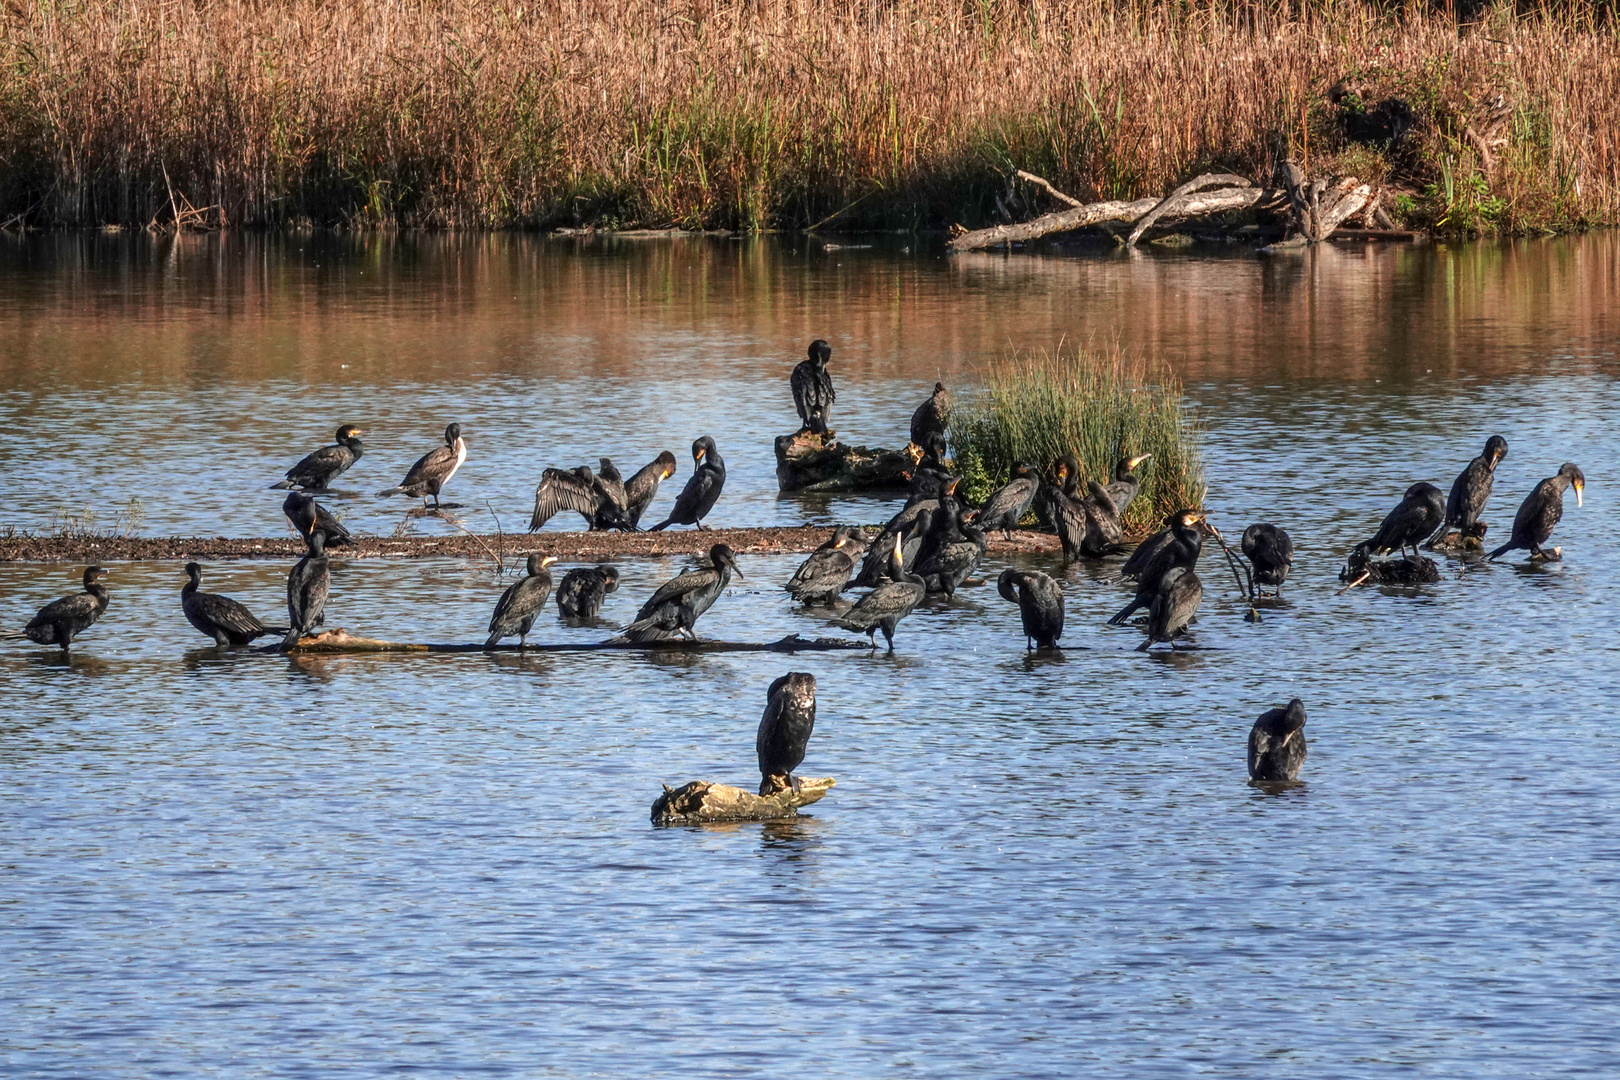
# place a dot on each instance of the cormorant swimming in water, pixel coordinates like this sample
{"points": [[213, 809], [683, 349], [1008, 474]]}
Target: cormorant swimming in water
{"points": [[229, 623], [784, 731], [932, 416], [884, 607], [583, 589], [522, 603], [1040, 604], [1541, 510], [434, 469], [1008, 504], [813, 393], [307, 514], [1470, 490], [825, 574], [1180, 551], [1277, 743], [675, 607], [317, 470], [1412, 521], [599, 498], [60, 621], [308, 584], [640, 489], [1174, 605], [1270, 551], [702, 488], [1123, 489]]}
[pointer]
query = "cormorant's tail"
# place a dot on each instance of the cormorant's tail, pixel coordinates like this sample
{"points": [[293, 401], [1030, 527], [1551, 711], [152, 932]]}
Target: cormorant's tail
{"points": [[1499, 552], [1125, 614], [662, 525], [1431, 542], [283, 485], [293, 634], [1146, 644], [494, 640], [390, 491], [13, 635]]}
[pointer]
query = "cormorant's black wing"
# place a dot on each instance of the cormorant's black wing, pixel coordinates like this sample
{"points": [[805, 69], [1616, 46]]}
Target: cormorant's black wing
{"points": [[560, 490]]}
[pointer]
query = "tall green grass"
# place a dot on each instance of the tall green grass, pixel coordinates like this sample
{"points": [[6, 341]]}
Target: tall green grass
{"points": [[1099, 406]]}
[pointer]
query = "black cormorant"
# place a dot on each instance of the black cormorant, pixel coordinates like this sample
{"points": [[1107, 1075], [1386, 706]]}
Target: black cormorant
{"points": [[582, 590], [1146, 550], [1123, 489], [675, 607], [1270, 551], [932, 416], [1541, 511], [955, 554], [1008, 504], [825, 574], [1412, 521], [912, 522], [317, 471], [229, 623], [1180, 551], [60, 621], [640, 489], [599, 498], [1277, 743], [306, 514], [1174, 605], [1470, 491], [784, 731], [1040, 604], [813, 393], [1104, 525], [1059, 507], [929, 476], [522, 603], [884, 607], [433, 470], [308, 584], [702, 488]]}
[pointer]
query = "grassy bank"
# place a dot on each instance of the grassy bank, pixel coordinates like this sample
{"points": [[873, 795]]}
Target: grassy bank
{"points": [[1098, 406], [779, 113]]}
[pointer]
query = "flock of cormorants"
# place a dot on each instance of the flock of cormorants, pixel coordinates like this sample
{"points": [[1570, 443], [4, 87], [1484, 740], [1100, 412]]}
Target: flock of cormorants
{"points": [[932, 545]]}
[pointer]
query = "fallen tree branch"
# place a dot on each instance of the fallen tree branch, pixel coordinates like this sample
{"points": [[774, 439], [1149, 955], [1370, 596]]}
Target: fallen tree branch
{"points": [[1213, 202], [1146, 221], [1054, 192], [701, 801]]}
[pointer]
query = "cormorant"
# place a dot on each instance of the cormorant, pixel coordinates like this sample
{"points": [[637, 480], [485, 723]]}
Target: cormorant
{"points": [[1410, 523], [1105, 527], [884, 607], [522, 603], [317, 470], [1277, 743], [784, 731], [1123, 489], [1060, 508], [1040, 604], [825, 574], [1174, 605], [1270, 551], [955, 554], [675, 607], [433, 470], [1146, 550], [932, 416], [929, 476], [813, 393], [1180, 551], [229, 623], [60, 621], [305, 514], [905, 523], [702, 488], [1470, 491], [640, 489], [1541, 511], [307, 586], [1008, 504], [582, 590], [598, 498]]}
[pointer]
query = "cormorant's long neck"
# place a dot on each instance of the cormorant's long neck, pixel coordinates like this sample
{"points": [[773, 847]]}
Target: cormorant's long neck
{"points": [[355, 448], [187, 589], [99, 591]]}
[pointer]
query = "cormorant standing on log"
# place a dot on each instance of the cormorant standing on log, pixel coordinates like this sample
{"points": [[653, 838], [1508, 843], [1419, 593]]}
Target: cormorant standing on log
{"points": [[308, 584], [640, 489], [784, 731], [675, 607], [825, 574], [1174, 605], [884, 607], [1412, 521], [813, 393], [583, 589], [1270, 551], [698, 497], [318, 469], [434, 469], [60, 621], [1470, 491], [1277, 743], [1541, 510], [932, 416], [306, 514], [1008, 504], [1040, 605], [228, 622], [522, 603], [1179, 552]]}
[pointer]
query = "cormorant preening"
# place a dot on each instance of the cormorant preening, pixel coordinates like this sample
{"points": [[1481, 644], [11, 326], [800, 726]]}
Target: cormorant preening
{"points": [[1277, 743], [317, 471], [1180, 551], [1410, 523], [1270, 551], [825, 574], [307, 586], [229, 623], [813, 393], [702, 488], [675, 607], [784, 731], [913, 522], [957, 549], [886, 605], [1541, 510], [522, 603], [1174, 605], [1008, 504], [598, 498], [307, 514], [60, 621], [1470, 490], [932, 416], [1059, 507], [1105, 525], [433, 470], [583, 589], [640, 489], [1123, 489], [1040, 604]]}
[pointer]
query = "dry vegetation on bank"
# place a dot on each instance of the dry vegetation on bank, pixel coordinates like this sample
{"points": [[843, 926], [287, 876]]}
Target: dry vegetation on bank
{"points": [[697, 113]]}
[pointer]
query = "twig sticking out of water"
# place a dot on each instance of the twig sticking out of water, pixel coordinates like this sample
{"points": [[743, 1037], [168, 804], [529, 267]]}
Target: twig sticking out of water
{"points": [[455, 523], [1365, 574], [500, 539], [1247, 591]]}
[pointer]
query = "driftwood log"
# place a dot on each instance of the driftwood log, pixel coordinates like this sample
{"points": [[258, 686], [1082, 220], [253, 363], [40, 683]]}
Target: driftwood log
{"points": [[701, 801], [342, 642], [808, 462]]}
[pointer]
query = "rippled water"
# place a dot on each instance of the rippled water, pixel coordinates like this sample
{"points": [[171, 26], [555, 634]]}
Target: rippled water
{"points": [[253, 865]]}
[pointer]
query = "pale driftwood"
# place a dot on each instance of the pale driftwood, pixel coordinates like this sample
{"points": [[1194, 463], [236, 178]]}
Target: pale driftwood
{"points": [[342, 642], [1320, 206], [1054, 192], [1170, 201], [1219, 201], [701, 801]]}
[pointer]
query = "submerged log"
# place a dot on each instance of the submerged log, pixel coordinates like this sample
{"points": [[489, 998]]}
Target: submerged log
{"points": [[342, 642], [702, 801], [810, 462], [1219, 201], [1407, 570]]}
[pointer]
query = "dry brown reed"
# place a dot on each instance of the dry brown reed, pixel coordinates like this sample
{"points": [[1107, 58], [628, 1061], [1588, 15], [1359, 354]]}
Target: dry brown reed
{"points": [[759, 113]]}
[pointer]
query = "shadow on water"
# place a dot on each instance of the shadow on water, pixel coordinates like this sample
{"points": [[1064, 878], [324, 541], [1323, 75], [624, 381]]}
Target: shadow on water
{"points": [[1275, 788]]}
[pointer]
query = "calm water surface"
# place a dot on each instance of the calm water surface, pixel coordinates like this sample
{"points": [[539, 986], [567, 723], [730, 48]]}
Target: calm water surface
{"points": [[258, 866]]}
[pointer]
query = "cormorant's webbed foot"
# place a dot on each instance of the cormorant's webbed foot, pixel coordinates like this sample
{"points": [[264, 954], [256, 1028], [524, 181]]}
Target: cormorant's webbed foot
{"points": [[793, 782]]}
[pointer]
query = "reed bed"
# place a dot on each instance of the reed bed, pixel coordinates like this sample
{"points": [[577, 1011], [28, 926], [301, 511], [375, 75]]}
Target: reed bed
{"points": [[749, 114], [1100, 406]]}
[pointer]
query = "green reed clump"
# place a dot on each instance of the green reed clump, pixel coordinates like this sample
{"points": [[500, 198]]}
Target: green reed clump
{"points": [[1098, 406]]}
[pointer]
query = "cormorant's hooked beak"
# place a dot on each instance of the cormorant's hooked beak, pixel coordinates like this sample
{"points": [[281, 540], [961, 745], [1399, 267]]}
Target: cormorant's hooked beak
{"points": [[698, 453], [101, 573], [1579, 487], [548, 560], [735, 569], [1062, 472], [1135, 461]]}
